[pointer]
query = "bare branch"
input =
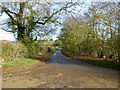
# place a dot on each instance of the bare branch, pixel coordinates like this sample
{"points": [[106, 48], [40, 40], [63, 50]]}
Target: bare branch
{"points": [[5, 23], [40, 22], [13, 21], [7, 10], [66, 6], [59, 22], [5, 30]]}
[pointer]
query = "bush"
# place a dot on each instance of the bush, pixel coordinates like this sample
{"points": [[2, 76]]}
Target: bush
{"points": [[34, 49], [16, 50], [12, 50]]}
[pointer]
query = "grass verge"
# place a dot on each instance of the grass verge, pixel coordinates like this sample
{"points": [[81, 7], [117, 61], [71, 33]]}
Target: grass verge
{"points": [[20, 62], [95, 61], [106, 64]]}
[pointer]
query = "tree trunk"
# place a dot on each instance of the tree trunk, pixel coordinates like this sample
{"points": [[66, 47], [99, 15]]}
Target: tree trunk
{"points": [[118, 31], [78, 47], [21, 31]]}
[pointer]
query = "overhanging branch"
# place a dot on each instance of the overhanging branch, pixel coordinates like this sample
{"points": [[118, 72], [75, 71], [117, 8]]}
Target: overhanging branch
{"points": [[66, 6], [7, 10], [13, 21], [40, 22], [5, 23], [5, 30]]}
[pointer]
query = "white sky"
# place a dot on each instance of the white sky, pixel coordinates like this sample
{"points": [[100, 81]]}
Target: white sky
{"points": [[6, 36], [3, 34]]}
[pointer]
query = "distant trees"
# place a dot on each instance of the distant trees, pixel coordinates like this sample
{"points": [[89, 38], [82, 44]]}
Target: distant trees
{"points": [[51, 39], [58, 42], [96, 33]]}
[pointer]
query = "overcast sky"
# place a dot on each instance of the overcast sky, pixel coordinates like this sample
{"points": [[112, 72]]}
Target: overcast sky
{"points": [[3, 34], [6, 36]]}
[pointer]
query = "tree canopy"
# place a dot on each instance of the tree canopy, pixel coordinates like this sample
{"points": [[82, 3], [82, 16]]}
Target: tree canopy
{"points": [[26, 18], [95, 33]]}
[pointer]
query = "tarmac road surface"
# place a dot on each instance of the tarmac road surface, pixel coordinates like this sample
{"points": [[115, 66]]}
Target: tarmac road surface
{"points": [[63, 72]]}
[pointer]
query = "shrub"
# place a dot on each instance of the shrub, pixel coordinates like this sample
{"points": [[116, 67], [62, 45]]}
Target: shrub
{"points": [[34, 49], [12, 50]]}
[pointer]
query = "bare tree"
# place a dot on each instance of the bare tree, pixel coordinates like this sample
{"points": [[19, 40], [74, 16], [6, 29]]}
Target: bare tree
{"points": [[25, 17]]}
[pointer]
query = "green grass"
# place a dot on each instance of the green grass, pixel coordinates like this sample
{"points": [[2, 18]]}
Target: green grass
{"points": [[107, 64], [97, 62], [20, 62]]}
